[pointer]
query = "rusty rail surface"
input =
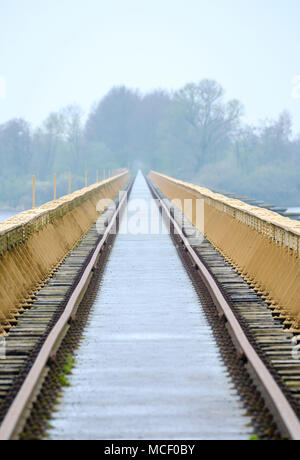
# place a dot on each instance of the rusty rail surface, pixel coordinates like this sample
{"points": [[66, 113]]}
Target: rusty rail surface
{"points": [[274, 398], [19, 407]]}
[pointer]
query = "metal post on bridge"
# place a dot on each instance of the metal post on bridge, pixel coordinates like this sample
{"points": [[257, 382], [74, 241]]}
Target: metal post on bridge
{"points": [[33, 192], [54, 187], [86, 179], [70, 183]]}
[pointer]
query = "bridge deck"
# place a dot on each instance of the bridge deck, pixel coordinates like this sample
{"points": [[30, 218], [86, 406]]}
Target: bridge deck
{"points": [[148, 367]]}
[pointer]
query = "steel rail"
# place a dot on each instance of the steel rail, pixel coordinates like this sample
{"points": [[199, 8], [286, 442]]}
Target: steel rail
{"points": [[274, 397], [23, 398]]}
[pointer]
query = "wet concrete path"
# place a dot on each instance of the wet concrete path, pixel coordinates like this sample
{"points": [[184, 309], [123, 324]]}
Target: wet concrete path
{"points": [[148, 367]]}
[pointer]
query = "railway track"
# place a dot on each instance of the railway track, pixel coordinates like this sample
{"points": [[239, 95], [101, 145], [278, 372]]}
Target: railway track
{"points": [[148, 355], [255, 345]]}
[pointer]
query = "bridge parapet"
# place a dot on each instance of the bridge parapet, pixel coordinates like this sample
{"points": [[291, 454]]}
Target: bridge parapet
{"points": [[17, 229], [261, 244], [34, 242]]}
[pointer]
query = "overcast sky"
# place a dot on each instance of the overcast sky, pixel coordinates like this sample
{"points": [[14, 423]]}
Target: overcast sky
{"points": [[57, 52]]}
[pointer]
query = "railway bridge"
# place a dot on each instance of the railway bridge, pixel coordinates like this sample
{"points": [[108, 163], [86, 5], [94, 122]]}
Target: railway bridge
{"points": [[144, 308]]}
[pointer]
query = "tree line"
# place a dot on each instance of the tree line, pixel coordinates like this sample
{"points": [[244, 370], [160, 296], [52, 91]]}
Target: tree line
{"points": [[194, 134]]}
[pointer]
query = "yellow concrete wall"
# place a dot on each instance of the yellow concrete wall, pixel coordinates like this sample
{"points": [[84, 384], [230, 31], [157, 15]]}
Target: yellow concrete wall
{"points": [[34, 243], [262, 245]]}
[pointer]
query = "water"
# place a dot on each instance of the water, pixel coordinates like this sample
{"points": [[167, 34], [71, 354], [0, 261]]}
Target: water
{"points": [[293, 210], [6, 214], [148, 366]]}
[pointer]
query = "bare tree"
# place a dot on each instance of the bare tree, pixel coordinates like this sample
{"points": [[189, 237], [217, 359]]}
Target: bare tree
{"points": [[214, 122]]}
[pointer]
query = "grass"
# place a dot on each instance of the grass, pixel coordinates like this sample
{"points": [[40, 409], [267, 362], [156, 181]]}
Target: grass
{"points": [[68, 367], [63, 380], [67, 370]]}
